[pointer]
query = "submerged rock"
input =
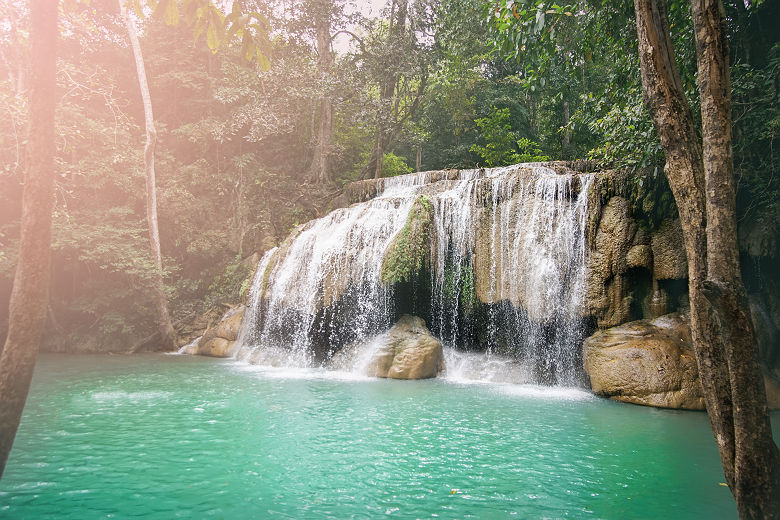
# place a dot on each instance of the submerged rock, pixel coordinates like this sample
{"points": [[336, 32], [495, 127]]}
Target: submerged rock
{"points": [[407, 351], [645, 362]]}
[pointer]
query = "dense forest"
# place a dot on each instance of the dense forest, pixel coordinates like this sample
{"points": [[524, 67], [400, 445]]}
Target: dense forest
{"points": [[247, 150]]}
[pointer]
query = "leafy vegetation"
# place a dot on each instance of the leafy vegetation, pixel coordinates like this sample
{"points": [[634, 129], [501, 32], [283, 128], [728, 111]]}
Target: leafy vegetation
{"points": [[439, 84], [410, 249]]}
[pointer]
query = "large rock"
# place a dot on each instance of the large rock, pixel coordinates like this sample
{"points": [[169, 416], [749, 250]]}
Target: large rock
{"points": [[231, 323], [219, 340], [652, 363], [669, 260], [407, 351], [216, 347], [607, 292], [645, 362]]}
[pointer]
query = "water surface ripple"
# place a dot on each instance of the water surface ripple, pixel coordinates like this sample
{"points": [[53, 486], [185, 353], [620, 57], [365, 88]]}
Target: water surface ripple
{"points": [[180, 437]]}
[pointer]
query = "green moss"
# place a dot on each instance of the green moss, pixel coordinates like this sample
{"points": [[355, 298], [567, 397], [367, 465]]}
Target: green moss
{"points": [[267, 274], [647, 192], [459, 287], [408, 252]]}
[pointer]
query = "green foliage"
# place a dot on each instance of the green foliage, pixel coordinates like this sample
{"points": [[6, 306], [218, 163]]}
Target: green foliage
{"points": [[530, 151], [409, 250], [392, 165], [756, 122], [230, 285], [627, 137], [499, 149], [490, 83], [501, 146], [220, 30]]}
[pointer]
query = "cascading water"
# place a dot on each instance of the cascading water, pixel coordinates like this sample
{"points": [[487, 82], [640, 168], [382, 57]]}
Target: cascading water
{"points": [[506, 273]]}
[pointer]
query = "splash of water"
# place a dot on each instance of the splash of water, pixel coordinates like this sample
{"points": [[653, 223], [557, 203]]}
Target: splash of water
{"points": [[506, 276]]}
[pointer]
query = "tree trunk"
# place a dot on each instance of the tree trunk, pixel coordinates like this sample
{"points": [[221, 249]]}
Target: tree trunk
{"points": [[30, 295], [167, 333], [379, 151], [387, 83], [719, 324], [756, 486], [418, 161], [566, 139], [320, 167]]}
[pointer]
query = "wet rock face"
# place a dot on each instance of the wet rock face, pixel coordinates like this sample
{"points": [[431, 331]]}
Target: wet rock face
{"points": [[645, 362], [622, 257], [407, 351], [219, 340], [608, 295], [651, 362], [669, 260], [407, 254]]}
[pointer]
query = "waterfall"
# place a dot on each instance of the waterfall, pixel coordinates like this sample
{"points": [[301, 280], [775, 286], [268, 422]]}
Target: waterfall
{"points": [[505, 275]]}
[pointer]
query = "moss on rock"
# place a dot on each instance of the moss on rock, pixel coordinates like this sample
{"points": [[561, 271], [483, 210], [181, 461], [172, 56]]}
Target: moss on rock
{"points": [[408, 252]]}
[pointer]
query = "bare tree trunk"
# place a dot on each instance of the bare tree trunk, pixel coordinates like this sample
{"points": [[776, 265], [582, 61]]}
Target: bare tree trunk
{"points": [[30, 295], [719, 324], [320, 167], [379, 150], [167, 333], [418, 162], [566, 139], [756, 486], [398, 13]]}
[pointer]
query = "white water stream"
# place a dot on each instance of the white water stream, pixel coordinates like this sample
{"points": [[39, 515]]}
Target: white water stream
{"points": [[507, 276]]}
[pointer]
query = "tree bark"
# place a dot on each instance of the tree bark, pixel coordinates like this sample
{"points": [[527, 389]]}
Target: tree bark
{"points": [[387, 83], [30, 295], [167, 332], [702, 184], [566, 139], [756, 486], [320, 168]]}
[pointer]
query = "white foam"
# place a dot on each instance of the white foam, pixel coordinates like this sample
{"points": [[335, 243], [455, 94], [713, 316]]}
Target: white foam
{"points": [[298, 373], [557, 393], [130, 396]]}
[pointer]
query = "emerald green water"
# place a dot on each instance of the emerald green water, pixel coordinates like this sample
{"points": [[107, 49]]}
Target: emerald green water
{"points": [[159, 436]]}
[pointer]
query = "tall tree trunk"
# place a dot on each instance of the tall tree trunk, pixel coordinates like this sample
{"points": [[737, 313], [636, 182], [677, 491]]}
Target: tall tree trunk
{"points": [[320, 167], [756, 485], [167, 333], [566, 139], [720, 326], [379, 150], [387, 83], [30, 295]]}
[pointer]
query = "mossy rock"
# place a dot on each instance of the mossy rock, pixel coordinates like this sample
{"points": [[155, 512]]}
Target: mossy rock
{"points": [[408, 252]]}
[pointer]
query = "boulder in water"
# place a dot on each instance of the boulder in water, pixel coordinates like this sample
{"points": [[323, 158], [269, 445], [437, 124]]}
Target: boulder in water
{"points": [[216, 347], [407, 351], [231, 323], [219, 340], [651, 362], [645, 362]]}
